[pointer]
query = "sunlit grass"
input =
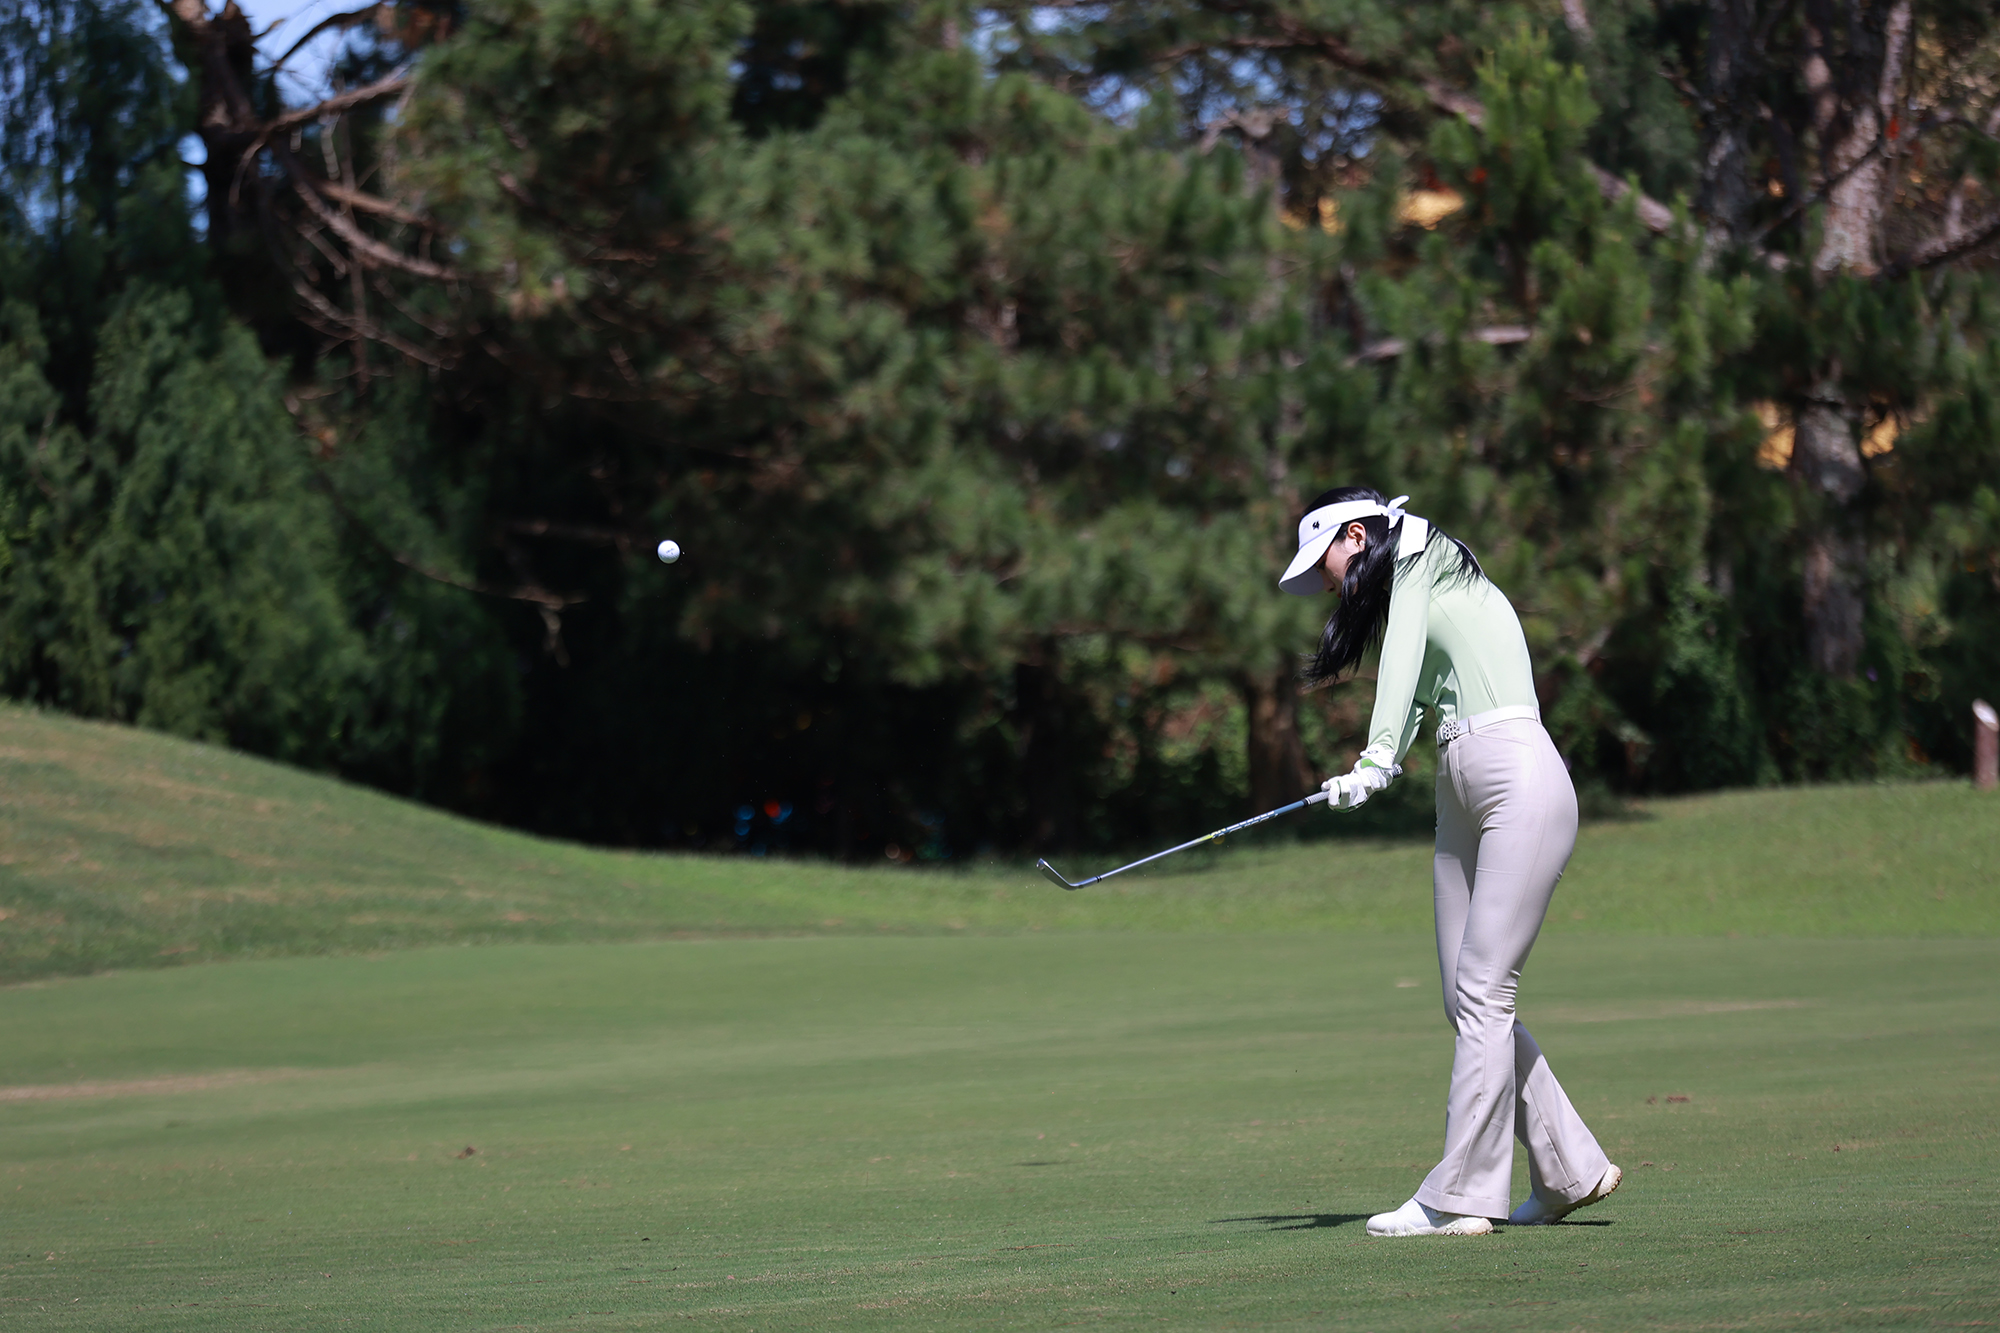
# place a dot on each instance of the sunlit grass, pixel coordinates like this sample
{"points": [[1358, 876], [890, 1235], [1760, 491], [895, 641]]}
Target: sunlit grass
{"points": [[985, 1132], [124, 848]]}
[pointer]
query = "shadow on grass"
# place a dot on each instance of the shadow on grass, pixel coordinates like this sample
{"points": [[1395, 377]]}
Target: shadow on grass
{"points": [[1296, 1221], [1313, 1221]]}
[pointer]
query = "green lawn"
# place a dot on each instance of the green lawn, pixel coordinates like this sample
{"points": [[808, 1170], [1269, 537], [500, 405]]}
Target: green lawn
{"points": [[120, 848], [1024, 1132], [801, 1097]]}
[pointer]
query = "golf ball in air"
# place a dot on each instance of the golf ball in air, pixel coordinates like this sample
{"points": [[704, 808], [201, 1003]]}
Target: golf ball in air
{"points": [[670, 551]]}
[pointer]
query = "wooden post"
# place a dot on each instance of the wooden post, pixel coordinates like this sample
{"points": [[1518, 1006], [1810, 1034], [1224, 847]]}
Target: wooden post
{"points": [[1985, 746]]}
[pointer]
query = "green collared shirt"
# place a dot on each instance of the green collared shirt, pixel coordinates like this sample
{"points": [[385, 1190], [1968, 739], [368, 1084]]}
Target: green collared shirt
{"points": [[1453, 645]]}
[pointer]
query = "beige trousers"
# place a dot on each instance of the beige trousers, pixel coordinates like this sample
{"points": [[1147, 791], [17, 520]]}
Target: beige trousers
{"points": [[1506, 827]]}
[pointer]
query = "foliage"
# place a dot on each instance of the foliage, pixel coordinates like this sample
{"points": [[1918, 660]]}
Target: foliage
{"points": [[980, 363], [169, 558], [168, 567]]}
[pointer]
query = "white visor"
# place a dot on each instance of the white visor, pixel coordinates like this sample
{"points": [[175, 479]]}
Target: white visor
{"points": [[1317, 531]]}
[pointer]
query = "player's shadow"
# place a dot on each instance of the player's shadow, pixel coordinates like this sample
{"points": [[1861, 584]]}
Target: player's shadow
{"points": [[1296, 1221], [1312, 1221]]}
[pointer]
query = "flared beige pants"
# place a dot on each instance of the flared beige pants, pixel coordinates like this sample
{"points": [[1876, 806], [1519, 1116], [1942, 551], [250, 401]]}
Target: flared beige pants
{"points": [[1506, 827]]}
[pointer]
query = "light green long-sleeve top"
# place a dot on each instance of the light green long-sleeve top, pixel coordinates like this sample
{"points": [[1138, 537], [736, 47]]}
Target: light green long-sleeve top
{"points": [[1453, 645]]}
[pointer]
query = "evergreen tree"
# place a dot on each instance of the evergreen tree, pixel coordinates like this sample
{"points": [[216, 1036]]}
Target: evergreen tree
{"points": [[960, 387], [981, 362], [1833, 164], [169, 558]]}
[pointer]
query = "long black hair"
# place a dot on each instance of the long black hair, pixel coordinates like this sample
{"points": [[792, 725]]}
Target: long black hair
{"points": [[1363, 613]]}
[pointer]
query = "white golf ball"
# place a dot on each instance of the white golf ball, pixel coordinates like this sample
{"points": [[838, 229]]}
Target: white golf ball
{"points": [[670, 551]]}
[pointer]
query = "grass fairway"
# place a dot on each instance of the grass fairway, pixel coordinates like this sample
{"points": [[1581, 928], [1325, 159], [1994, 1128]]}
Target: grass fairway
{"points": [[1026, 1132], [121, 848], [678, 1092]]}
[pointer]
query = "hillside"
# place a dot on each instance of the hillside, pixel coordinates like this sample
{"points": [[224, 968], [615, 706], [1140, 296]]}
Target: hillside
{"points": [[123, 848]]}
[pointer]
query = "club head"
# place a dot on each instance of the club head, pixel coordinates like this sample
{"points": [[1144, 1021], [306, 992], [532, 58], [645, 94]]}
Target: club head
{"points": [[1053, 877]]}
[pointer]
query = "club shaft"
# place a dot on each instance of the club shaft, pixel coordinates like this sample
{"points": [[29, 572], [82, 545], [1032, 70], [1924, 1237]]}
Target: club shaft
{"points": [[1216, 836]]}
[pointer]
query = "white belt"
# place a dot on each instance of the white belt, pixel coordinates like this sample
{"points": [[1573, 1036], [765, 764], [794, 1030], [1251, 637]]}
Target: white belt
{"points": [[1451, 731]]}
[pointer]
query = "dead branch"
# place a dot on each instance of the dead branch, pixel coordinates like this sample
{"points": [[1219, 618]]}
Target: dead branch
{"points": [[1942, 249], [1497, 335], [347, 20], [394, 82], [1653, 215], [356, 326], [368, 203], [366, 247]]}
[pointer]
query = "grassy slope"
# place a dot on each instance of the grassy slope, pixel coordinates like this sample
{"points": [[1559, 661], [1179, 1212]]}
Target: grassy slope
{"points": [[1025, 1132], [123, 848], [1169, 1108]]}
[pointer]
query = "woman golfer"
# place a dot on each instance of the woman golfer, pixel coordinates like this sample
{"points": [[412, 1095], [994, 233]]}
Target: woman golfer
{"points": [[1506, 823]]}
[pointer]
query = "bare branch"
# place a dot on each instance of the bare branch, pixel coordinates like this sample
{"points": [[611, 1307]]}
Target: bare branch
{"points": [[1653, 215], [366, 247], [369, 203], [1944, 249], [1497, 335], [359, 327], [389, 84], [347, 20]]}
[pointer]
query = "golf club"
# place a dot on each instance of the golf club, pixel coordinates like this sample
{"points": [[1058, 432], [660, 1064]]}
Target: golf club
{"points": [[1055, 876]]}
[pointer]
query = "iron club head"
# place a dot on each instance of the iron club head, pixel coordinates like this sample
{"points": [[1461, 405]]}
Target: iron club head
{"points": [[1053, 876]]}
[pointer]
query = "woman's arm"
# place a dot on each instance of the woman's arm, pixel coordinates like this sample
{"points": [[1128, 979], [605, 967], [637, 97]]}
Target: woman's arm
{"points": [[1394, 723]]}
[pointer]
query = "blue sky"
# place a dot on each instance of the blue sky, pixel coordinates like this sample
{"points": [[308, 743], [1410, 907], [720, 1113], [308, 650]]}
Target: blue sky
{"points": [[304, 78]]}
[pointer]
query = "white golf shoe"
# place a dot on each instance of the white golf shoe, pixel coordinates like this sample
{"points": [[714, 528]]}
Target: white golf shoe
{"points": [[1416, 1219], [1536, 1213]]}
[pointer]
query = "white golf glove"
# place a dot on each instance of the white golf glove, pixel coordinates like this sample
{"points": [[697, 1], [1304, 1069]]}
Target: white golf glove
{"points": [[1350, 791]]}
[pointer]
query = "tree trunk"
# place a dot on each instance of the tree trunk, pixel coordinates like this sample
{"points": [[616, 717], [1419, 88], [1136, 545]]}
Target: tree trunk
{"points": [[1854, 117], [1279, 773], [1826, 459], [1728, 174], [223, 54], [1855, 147]]}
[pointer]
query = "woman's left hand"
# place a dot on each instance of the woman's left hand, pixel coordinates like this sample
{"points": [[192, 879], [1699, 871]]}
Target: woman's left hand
{"points": [[1350, 791]]}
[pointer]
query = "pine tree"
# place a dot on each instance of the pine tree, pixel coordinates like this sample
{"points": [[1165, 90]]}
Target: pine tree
{"points": [[169, 558], [1833, 168]]}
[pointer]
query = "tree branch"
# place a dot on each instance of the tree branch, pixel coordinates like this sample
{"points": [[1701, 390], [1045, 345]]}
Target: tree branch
{"points": [[1293, 36], [1943, 249], [364, 245], [358, 326], [1497, 335], [1653, 215], [369, 203], [394, 82], [347, 20], [549, 603]]}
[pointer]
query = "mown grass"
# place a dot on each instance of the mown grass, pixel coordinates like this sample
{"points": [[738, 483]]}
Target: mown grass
{"points": [[120, 848], [805, 1096], [988, 1132]]}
